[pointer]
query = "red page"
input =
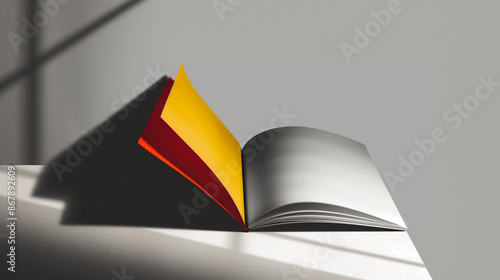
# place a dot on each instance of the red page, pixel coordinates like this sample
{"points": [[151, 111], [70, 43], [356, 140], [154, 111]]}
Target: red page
{"points": [[161, 140]]}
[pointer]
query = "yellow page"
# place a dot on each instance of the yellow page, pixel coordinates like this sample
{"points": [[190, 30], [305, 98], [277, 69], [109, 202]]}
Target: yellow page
{"points": [[191, 118]]}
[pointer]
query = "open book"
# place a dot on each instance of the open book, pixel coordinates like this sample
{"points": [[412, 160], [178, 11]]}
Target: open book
{"points": [[287, 178], [166, 160]]}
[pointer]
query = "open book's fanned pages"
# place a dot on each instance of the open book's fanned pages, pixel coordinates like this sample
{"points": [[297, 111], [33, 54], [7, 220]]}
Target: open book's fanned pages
{"points": [[162, 141], [117, 182], [166, 160], [308, 178], [191, 118]]}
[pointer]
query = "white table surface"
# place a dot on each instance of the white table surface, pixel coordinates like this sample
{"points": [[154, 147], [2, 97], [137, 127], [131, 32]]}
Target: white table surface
{"points": [[49, 250]]}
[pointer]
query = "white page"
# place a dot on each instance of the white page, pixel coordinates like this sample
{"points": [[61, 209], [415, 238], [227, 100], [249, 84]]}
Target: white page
{"points": [[297, 164]]}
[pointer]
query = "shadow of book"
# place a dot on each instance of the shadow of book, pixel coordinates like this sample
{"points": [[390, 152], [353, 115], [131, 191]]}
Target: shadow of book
{"points": [[106, 178]]}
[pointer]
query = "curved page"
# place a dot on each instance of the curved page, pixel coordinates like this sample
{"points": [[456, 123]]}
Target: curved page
{"points": [[160, 140], [190, 117], [293, 165]]}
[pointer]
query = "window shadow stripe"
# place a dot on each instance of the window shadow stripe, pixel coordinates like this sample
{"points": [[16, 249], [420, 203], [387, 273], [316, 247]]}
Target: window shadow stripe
{"points": [[67, 43]]}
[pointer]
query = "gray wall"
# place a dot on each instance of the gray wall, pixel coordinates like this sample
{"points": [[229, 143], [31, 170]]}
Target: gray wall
{"points": [[267, 55]]}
